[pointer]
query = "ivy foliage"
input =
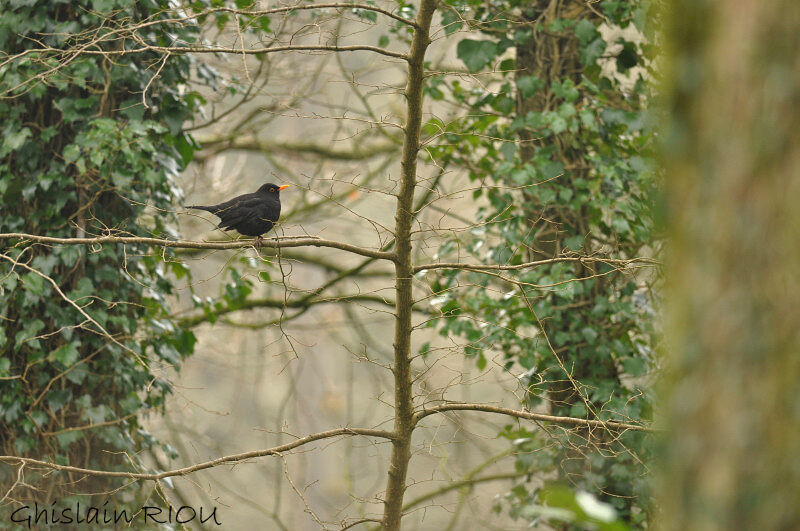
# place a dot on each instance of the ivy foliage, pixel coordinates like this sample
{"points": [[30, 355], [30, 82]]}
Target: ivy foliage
{"points": [[90, 145], [556, 140]]}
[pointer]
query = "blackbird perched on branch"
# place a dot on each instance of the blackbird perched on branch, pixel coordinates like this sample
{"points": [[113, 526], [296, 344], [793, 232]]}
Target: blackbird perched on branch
{"points": [[249, 214]]}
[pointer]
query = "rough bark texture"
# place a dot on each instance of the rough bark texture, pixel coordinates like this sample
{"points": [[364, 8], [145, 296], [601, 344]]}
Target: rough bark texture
{"points": [[733, 180], [403, 396]]}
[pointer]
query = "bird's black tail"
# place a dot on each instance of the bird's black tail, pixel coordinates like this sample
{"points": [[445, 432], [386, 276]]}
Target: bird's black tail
{"points": [[201, 207]]}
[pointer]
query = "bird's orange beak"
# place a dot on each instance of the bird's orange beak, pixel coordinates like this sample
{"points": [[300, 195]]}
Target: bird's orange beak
{"points": [[284, 186]]}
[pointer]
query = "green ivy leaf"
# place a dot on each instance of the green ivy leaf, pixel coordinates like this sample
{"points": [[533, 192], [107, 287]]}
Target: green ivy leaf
{"points": [[66, 439], [634, 366], [620, 225], [529, 85], [593, 51], [66, 354], [366, 14], [476, 54], [425, 349], [566, 90], [56, 399], [590, 334], [585, 31], [28, 331], [12, 141]]}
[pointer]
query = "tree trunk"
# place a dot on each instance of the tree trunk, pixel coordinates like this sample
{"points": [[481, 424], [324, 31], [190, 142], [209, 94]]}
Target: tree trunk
{"points": [[403, 385], [732, 160]]}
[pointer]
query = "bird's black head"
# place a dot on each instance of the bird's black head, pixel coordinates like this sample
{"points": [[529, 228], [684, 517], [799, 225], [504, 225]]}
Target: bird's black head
{"points": [[270, 188]]}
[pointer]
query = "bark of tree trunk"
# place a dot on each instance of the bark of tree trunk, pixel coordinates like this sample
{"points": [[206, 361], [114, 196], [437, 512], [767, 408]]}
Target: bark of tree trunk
{"points": [[732, 161], [403, 392]]}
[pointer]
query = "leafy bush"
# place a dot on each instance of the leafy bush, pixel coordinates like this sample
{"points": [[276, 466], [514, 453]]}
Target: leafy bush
{"points": [[90, 145]]}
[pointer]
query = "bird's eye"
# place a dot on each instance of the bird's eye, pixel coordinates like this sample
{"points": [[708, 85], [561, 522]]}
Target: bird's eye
{"points": [[272, 189]]}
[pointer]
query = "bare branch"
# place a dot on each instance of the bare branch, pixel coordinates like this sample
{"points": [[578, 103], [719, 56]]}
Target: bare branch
{"points": [[178, 50], [250, 304], [335, 5], [459, 484], [517, 267], [215, 145], [234, 458], [304, 241], [571, 421]]}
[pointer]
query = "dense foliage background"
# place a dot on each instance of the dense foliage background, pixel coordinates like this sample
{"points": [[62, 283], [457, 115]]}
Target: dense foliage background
{"points": [[557, 141], [93, 150]]}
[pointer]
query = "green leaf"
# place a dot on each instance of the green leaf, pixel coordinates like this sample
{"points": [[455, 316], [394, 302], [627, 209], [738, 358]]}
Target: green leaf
{"points": [[588, 119], [366, 14], [28, 331], [103, 5], [558, 124], [476, 54], [529, 85], [184, 342], [58, 398], [589, 334], [621, 225], [592, 51], [36, 284], [383, 41], [186, 146], [425, 349], [98, 414], [566, 90], [66, 439], [39, 419], [634, 366], [627, 57], [585, 31], [504, 104], [14, 141], [66, 354]]}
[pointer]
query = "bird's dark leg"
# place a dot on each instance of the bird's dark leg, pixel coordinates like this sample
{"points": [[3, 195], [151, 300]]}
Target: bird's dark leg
{"points": [[259, 241]]}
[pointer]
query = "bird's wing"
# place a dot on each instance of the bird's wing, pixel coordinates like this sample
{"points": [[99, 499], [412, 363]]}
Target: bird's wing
{"points": [[240, 212], [245, 200], [237, 206]]}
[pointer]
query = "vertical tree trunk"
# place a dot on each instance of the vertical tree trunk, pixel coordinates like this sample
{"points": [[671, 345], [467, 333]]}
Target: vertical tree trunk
{"points": [[403, 392], [732, 155]]}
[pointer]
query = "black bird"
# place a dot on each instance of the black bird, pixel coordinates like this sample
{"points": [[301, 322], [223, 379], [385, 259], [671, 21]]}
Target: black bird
{"points": [[249, 214]]}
